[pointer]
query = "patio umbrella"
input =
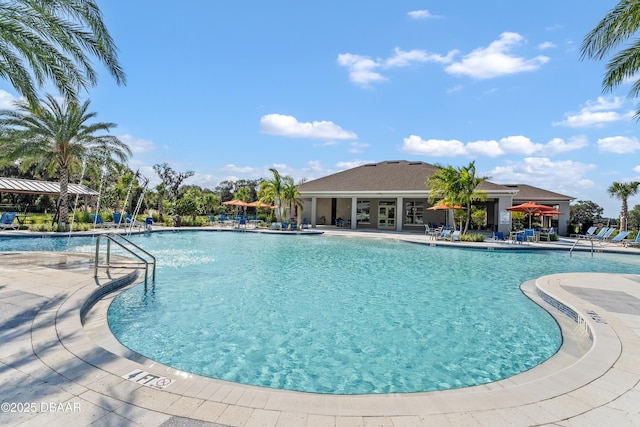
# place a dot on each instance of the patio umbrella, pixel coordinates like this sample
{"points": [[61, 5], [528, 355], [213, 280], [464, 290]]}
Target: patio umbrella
{"points": [[445, 207], [531, 208], [237, 203]]}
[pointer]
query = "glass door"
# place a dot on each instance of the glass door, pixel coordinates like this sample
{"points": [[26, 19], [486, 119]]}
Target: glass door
{"points": [[387, 215]]}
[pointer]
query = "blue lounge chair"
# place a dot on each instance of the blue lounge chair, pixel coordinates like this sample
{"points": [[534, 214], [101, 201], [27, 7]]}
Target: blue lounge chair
{"points": [[455, 236], [98, 222], [305, 224], [284, 226], [631, 243], [6, 221], [617, 239], [590, 232], [117, 218], [498, 235]]}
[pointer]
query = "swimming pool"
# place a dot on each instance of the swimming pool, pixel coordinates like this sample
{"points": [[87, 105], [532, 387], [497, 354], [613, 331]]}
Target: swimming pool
{"points": [[338, 315]]}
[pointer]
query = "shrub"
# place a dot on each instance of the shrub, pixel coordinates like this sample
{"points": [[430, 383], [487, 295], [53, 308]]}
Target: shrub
{"points": [[472, 237]]}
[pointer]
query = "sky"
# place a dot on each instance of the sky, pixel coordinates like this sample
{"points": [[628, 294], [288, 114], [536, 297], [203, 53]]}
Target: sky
{"points": [[230, 89]]}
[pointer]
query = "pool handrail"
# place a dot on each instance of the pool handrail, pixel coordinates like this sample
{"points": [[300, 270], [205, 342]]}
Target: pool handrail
{"points": [[111, 237]]}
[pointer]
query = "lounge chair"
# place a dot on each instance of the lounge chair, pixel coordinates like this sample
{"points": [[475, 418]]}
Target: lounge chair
{"points": [[498, 235], [590, 232], [617, 239], [117, 218], [604, 234], [455, 236], [632, 243], [600, 234], [305, 224], [98, 222], [6, 221]]}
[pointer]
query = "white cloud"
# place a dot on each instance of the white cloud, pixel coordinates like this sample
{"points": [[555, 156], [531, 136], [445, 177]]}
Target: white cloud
{"points": [[283, 125], [239, 169], [618, 144], [433, 147], [352, 164], [597, 113], [565, 176], [490, 148], [546, 45], [137, 145], [421, 14], [363, 70], [495, 60], [559, 145], [7, 100], [357, 147]]}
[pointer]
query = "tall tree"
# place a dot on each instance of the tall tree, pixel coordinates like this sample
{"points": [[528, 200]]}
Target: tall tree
{"points": [[617, 27], [586, 213], [622, 191], [57, 136], [171, 179], [54, 40]]}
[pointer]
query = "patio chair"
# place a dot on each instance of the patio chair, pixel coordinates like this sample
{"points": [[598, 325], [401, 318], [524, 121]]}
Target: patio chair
{"points": [[498, 235], [305, 224], [546, 235], [445, 234], [518, 237], [6, 221], [455, 236]]}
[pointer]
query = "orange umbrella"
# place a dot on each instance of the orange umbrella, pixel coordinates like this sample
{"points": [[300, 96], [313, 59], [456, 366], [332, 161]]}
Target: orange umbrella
{"points": [[235, 202], [443, 207], [531, 208], [258, 204]]}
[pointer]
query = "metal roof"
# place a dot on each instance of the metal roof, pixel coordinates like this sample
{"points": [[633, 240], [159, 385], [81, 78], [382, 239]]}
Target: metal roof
{"points": [[28, 186]]}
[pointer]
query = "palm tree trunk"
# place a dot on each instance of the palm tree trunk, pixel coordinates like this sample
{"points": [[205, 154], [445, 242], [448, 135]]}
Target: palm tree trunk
{"points": [[64, 196]]}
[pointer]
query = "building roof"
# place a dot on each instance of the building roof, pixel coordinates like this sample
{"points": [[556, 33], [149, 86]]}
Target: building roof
{"points": [[391, 175], [29, 186], [528, 193]]}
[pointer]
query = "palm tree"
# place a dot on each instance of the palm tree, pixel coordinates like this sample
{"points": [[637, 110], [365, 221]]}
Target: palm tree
{"points": [[620, 24], [469, 192], [57, 136], [272, 192], [622, 191], [457, 186], [54, 41], [290, 194]]}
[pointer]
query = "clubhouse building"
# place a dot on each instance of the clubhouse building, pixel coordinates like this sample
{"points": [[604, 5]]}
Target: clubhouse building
{"points": [[392, 195]]}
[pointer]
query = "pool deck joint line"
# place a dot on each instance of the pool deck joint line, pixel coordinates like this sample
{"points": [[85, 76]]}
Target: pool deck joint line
{"points": [[55, 370]]}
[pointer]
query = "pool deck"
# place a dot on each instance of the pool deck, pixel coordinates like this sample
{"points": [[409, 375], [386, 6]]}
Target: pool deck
{"points": [[57, 371]]}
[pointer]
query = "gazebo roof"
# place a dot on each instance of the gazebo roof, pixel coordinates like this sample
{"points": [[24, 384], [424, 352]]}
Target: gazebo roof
{"points": [[29, 186]]}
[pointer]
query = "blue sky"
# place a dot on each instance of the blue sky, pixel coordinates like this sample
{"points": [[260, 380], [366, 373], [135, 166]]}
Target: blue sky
{"points": [[230, 89]]}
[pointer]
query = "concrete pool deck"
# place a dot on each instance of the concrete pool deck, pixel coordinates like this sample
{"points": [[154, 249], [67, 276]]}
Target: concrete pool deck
{"points": [[55, 370]]}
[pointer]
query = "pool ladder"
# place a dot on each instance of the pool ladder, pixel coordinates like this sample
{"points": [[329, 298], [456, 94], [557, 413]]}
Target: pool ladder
{"points": [[593, 248], [129, 247]]}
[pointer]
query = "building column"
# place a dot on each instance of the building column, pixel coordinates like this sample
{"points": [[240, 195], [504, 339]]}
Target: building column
{"points": [[503, 215], [314, 205], [354, 213], [399, 213]]}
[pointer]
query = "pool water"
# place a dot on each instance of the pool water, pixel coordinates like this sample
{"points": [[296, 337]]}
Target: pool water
{"points": [[338, 315]]}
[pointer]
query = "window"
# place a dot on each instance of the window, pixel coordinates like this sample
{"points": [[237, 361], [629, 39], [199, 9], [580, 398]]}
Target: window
{"points": [[414, 212], [362, 216]]}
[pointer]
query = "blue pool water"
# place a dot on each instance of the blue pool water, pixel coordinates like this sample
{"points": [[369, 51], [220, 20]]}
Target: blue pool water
{"points": [[337, 315]]}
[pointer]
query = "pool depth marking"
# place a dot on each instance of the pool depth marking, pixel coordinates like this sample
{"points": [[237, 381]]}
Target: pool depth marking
{"points": [[147, 379]]}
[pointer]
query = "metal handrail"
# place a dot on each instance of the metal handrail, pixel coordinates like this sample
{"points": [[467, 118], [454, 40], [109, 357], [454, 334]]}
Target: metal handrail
{"points": [[576, 242], [111, 237]]}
